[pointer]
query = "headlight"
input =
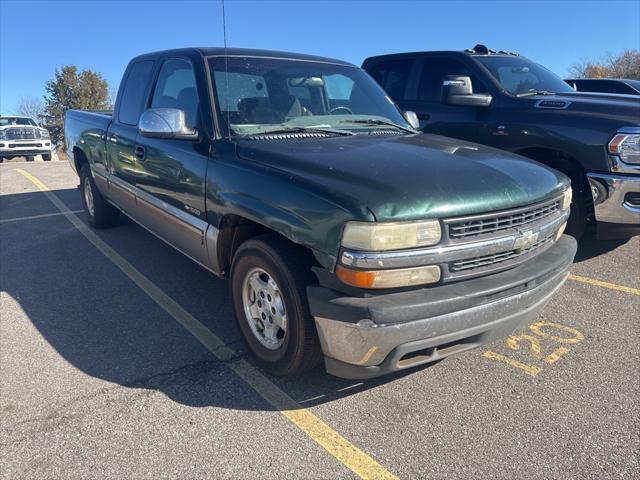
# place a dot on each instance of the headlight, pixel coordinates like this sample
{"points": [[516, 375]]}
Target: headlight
{"points": [[373, 236], [44, 134], [3, 134], [626, 146], [566, 199]]}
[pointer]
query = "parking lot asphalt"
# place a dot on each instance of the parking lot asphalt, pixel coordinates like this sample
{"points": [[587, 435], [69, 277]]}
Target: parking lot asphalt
{"points": [[105, 375]]}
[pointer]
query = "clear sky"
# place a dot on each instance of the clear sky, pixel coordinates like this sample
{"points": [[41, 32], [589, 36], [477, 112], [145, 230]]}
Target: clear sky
{"points": [[38, 36]]}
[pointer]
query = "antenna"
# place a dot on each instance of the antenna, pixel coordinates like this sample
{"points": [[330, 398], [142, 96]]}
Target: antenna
{"points": [[226, 65]]}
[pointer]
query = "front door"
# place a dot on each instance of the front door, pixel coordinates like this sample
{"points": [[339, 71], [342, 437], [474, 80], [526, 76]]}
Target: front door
{"points": [[171, 180]]}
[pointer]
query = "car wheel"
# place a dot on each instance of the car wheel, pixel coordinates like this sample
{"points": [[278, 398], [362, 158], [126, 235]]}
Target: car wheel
{"points": [[1, 159], [100, 213], [46, 157], [577, 223], [268, 284], [30, 158]]}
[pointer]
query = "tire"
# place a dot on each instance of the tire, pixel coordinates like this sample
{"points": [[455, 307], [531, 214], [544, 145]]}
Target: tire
{"points": [[100, 213], [46, 157], [577, 223], [30, 158], [1, 159], [298, 348]]}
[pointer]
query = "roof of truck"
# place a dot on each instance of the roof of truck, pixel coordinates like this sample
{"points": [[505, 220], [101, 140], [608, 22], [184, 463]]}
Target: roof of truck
{"points": [[241, 52]]}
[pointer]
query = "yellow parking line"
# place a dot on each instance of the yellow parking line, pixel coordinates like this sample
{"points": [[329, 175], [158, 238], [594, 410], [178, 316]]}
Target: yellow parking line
{"points": [[600, 283], [344, 451]]}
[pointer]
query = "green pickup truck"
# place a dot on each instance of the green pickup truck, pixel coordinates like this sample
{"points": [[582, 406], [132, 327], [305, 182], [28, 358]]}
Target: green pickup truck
{"points": [[346, 234]]}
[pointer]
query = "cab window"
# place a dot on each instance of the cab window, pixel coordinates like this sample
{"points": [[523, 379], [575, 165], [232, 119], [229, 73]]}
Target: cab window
{"points": [[435, 70], [393, 75], [134, 92], [176, 88]]}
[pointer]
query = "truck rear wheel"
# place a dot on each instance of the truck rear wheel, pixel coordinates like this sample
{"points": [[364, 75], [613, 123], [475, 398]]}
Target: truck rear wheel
{"points": [[100, 213], [268, 284]]}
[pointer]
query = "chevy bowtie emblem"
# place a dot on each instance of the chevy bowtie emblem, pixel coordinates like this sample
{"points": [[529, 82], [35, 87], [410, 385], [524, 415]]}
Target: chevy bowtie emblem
{"points": [[525, 240]]}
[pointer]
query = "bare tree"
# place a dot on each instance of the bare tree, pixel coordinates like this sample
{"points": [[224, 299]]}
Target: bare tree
{"points": [[31, 107], [625, 65]]}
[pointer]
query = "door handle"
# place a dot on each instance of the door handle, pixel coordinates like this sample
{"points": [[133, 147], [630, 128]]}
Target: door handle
{"points": [[140, 152], [113, 138]]}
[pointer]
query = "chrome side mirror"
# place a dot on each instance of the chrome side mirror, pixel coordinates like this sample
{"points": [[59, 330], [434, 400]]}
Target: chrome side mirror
{"points": [[457, 90], [166, 123], [412, 119]]}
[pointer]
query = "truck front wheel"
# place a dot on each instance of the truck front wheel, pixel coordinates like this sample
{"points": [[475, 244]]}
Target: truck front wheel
{"points": [[100, 213], [30, 158], [269, 277], [46, 156]]}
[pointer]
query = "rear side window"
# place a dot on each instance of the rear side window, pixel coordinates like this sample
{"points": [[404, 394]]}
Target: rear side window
{"points": [[435, 70], [176, 88], [133, 93], [393, 76]]}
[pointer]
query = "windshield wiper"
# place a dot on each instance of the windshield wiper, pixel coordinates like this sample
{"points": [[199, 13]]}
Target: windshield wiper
{"points": [[534, 92], [376, 121], [304, 130]]}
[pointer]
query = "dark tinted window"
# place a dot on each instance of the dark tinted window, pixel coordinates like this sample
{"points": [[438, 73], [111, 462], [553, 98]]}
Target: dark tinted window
{"points": [[176, 88], [603, 86], [133, 93], [434, 72], [393, 76]]}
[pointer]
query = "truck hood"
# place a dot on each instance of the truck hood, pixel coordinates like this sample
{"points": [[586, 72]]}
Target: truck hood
{"points": [[406, 177], [625, 108]]}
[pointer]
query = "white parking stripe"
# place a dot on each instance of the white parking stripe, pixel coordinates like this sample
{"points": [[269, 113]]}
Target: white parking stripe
{"points": [[35, 217]]}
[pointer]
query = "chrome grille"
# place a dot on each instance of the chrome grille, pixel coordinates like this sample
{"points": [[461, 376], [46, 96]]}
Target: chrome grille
{"points": [[488, 260], [492, 223], [22, 134]]}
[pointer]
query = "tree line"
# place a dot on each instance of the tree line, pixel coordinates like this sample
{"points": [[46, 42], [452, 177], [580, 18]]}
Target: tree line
{"points": [[68, 89], [88, 90]]}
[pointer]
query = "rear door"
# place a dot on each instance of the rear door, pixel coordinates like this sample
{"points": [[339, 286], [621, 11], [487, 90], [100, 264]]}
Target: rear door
{"points": [[123, 166], [171, 177]]}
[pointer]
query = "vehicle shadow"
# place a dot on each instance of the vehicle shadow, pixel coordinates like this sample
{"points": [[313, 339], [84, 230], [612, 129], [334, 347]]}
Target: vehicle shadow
{"points": [[101, 323], [589, 246]]}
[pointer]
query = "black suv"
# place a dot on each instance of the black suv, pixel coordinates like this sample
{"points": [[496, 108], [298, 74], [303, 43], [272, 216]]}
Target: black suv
{"points": [[507, 101]]}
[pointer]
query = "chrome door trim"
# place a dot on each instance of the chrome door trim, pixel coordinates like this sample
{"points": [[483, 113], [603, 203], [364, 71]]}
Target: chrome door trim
{"points": [[191, 236]]}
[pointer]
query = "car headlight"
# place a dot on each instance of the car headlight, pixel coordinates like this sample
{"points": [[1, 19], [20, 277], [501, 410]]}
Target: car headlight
{"points": [[44, 134], [3, 135], [371, 236], [566, 199], [626, 146]]}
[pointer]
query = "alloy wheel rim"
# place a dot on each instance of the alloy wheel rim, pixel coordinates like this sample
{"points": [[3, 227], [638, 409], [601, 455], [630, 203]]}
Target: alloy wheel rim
{"points": [[264, 308], [88, 196]]}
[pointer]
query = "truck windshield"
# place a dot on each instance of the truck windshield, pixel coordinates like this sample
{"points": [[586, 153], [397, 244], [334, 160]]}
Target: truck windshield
{"points": [[521, 76], [4, 121], [258, 95]]}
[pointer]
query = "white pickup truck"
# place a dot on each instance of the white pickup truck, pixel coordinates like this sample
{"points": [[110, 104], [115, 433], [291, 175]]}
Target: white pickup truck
{"points": [[23, 137]]}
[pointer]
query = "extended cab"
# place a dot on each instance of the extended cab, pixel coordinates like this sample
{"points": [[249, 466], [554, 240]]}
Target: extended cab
{"points": [[345, 233], [504, 100], [22, 137]]}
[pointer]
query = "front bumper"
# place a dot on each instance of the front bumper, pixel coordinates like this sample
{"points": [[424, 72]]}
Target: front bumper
{"points": [[19, 148], [365, 337], [614, 212]]}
